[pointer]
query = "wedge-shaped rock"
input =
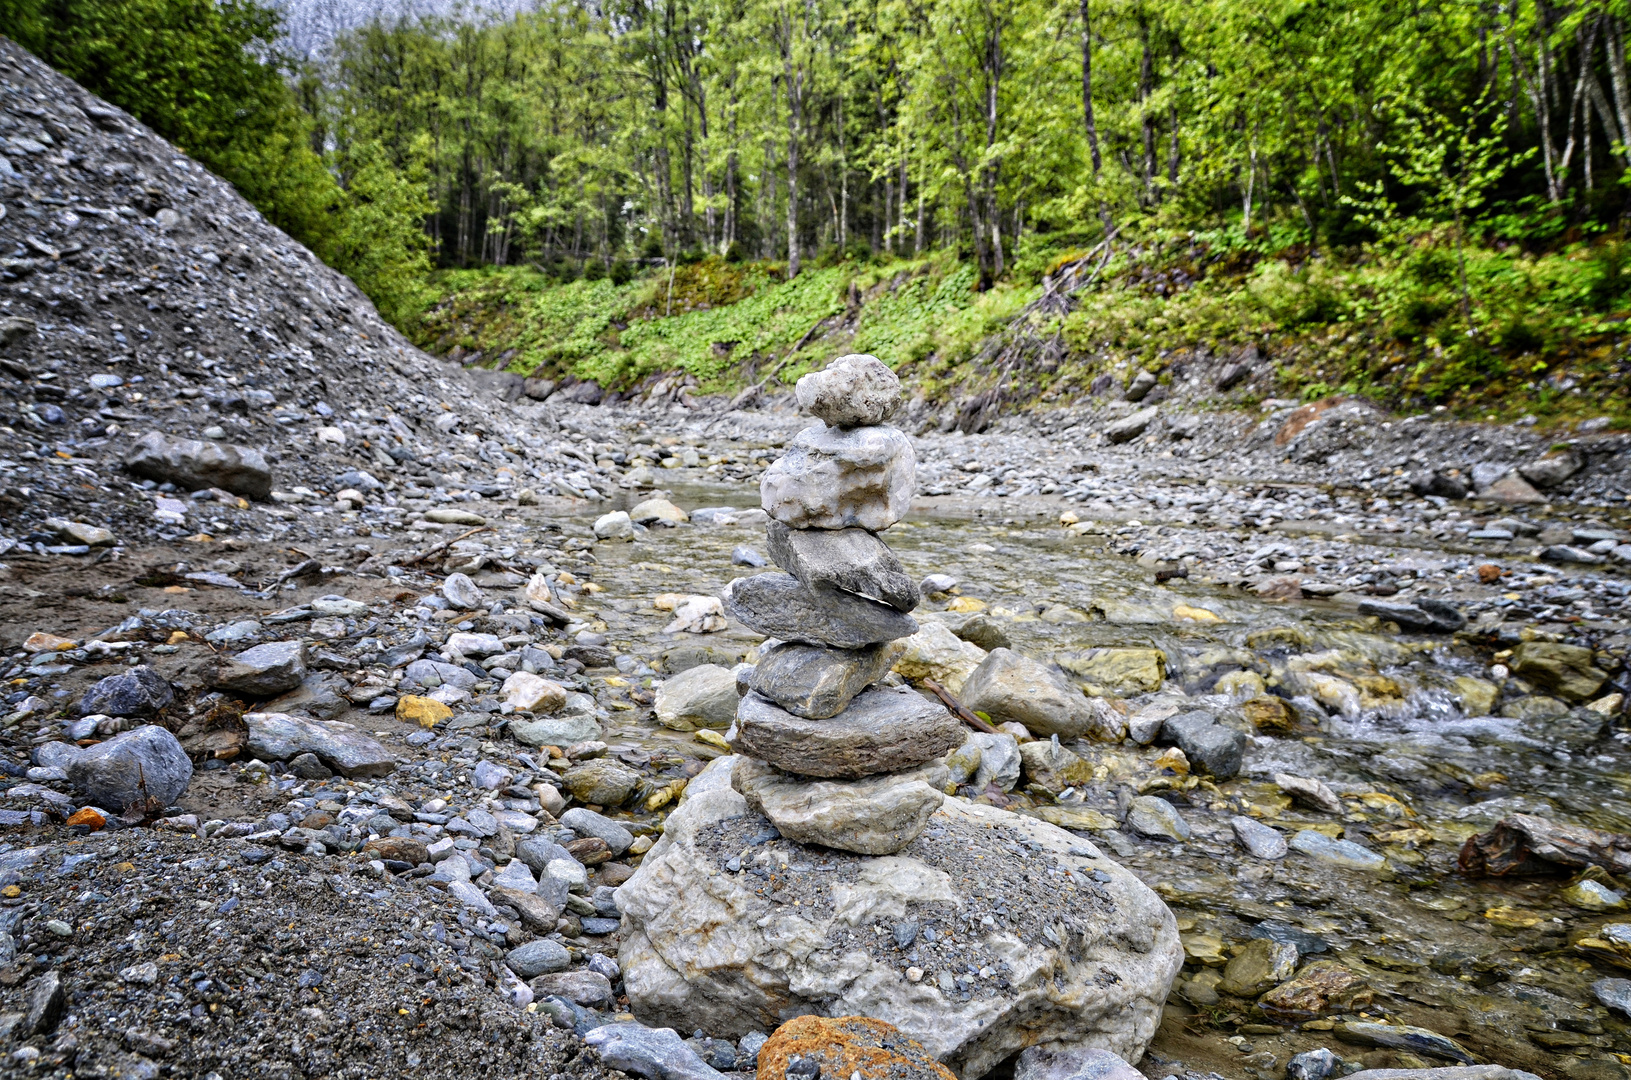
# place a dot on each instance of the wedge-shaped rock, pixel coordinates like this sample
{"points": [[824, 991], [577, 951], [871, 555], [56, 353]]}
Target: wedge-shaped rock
{"points": [[882, 731], [877, 815], [1011, 686], [836, 478], [707, 946], [192, 464], [852, 560], [340, 746], [816, 682], [779, 606]]}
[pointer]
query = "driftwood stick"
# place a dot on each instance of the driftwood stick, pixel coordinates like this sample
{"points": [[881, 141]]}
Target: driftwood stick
{"points": [[958, 708], [443, 546]]}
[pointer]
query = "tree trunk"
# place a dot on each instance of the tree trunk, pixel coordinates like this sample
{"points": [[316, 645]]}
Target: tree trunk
{"points": [[1087, 92]]}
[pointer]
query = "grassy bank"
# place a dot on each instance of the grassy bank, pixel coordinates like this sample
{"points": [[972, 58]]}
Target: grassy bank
{"points": [[1496, 330]]}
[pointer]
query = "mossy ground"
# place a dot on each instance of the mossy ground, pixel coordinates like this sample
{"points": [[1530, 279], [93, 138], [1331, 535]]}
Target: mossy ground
{"points": [[1533, 333]]}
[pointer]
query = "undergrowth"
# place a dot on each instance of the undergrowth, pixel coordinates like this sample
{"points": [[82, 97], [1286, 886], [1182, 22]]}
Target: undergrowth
{"points": [[1537, 333]]}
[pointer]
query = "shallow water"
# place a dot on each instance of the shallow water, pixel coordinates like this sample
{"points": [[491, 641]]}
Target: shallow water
{"points": [[1487, 962]]}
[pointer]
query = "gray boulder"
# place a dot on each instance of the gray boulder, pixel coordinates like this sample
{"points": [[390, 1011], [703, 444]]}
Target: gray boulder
{"points": [[700, 697], [780, 606], [1131, 427], [1553, 469], [340, 746], [586, 822], [192, 464], [263, 671], [144, 767], [655, 1053], [1010, 686], [851, 560], [817, 682], [139, 692], [877, 815], [537, 958], [1210, 747]]}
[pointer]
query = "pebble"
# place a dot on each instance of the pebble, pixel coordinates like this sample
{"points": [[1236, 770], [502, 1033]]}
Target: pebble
{"points": [[1317, 845]]}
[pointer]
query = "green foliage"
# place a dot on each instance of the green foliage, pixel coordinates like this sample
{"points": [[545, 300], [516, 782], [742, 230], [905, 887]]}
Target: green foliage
{"points": [[378, 241]]}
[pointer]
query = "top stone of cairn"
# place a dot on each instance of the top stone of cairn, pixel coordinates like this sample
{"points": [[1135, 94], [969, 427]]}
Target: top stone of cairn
{"points": [[853, 391]]}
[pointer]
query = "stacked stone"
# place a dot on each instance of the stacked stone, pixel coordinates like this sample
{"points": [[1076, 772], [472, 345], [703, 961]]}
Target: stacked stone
{"points": [[830, 757]]}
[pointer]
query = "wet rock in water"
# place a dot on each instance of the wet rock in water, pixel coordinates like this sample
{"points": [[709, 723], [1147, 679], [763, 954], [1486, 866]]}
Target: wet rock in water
{"points": [[852, 391], [1119, 670], [850, 560], [1403, 1037], [811, 1047], [601, 782], [780, 606], [1317, 845], [1216, 749], [675, 974], [1569, 671], [984, 632], [1319, 987], [191, 464], [1311, 792], [1131, 427], [1263, 841], [743, 555], [340, 746], [1312, 1065], [833, 478], [1009, 686], [817, 682], [1157, 819], [1259, 965], [1423, 613], [139, 692], [934, 652], [1614, 994], [616, 525], [588, 823], [657, 512], [145, 767], [876, 815], [655, 1053], [264, 670], [699, 697], [1593, 895], [539, 957], [1052, 766], [1449, 1072], [1526, 844], [1077, 1063], [881, 731], [1270, 714]]}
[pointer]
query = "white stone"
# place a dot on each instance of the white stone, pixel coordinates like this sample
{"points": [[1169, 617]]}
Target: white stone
{"points": [[833, 478], [533, 693], [853, 391], [616, 525]]}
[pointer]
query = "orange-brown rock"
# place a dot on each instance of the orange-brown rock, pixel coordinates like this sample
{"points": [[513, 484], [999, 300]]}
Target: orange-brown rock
{"points": [[847, 1046], [1318, 987], [398, 848], [88, 816]]}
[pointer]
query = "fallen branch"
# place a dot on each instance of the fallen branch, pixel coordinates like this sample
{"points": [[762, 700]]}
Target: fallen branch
{"points": [[443, 546], [957, 708]]}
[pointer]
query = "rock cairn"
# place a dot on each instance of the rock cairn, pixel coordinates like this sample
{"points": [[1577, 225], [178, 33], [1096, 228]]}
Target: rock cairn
{"points": [[830, 756]]}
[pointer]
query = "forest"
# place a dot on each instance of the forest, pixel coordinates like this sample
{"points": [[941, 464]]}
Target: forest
{"points": [[1449, 176]]}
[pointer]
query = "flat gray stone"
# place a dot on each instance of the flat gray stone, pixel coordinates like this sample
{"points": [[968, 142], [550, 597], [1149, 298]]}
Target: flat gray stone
{"points": [[1423, 613], [836, 478], [192, 464], [1210, 747], [780, 606], [816, 682], [852, 391], [881, 731], [537, 958], [1263, 841], [264, 670], [586, 822], [588, 988], [559, 731], [655, 1053], [1078, 1063], [877, 815], [1131, 427], [851, 560], [143, 767], [1010, 686], [340, 746], [1157, 819]]}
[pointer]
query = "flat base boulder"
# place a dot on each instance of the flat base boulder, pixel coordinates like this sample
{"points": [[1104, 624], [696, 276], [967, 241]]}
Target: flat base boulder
{"points": [[877, 815], [340, 746], [780, 606], [817, 682], [710, 944], [882, 731]]}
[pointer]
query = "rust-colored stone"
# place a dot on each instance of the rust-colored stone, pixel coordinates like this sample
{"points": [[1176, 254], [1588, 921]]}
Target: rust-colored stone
{"points": [[398, 848], [847, 1046], [1322, 985], [87, 816]]}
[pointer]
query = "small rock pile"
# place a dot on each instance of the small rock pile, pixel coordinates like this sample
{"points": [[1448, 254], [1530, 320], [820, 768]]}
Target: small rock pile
{"points": [[831, 756]]}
